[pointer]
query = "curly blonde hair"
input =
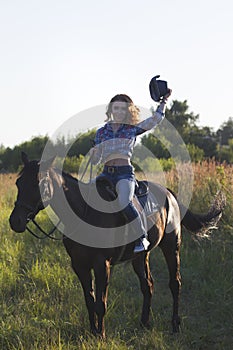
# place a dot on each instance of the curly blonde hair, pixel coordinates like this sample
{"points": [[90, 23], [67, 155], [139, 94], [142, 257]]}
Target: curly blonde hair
{"points": [[133, 116]]}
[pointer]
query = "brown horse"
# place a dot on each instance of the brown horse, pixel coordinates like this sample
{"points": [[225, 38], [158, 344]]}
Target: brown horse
{"points": [[36, 181]]}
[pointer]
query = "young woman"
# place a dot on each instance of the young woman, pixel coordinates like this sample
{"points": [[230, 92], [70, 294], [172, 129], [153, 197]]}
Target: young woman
{"points": [[114, 143]]}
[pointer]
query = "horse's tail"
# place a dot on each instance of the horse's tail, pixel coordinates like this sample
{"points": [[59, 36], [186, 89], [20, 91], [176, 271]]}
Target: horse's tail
{"points": [[203, 224]]}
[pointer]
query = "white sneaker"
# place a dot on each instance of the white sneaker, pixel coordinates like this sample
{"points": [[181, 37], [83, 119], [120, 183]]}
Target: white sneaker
{"points": [[142, 245]]}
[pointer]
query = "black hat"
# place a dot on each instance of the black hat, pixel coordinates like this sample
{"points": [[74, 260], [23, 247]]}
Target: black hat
{"points": [[158, 88]]}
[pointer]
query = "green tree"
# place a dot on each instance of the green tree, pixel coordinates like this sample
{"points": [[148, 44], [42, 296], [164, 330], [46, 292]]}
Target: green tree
{"points": [[11, 158], [82, 143], [155, 146], [196, 153], [204, 138], [182, 120], [225, 152], [225, 132]]}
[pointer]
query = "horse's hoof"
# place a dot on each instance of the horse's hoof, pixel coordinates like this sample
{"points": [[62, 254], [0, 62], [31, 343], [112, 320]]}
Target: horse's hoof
{"points": [[93, 332], [145, 325], [101, 336], [176, 325], [98, 334]]}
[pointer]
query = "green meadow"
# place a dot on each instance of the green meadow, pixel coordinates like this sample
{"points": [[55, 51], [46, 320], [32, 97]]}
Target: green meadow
{"points": [[42, 305]]}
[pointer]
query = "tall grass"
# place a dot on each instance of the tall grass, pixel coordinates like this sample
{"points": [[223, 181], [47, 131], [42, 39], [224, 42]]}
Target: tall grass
{"points": [[41, 301]]}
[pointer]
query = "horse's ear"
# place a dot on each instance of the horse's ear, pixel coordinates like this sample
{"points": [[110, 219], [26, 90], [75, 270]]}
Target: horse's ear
{"points": [[24, 157], [46, 164]]}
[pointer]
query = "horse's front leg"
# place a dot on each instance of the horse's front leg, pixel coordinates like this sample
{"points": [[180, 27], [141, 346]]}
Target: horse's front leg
{"points": [[142, 269], [102, 275], [85, 277]]}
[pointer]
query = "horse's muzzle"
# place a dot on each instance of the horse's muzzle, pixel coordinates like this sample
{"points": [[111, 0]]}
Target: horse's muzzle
{"points": [[17, 222]]}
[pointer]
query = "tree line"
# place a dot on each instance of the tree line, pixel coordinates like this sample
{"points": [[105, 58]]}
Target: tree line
{"points": [[201, 142]]}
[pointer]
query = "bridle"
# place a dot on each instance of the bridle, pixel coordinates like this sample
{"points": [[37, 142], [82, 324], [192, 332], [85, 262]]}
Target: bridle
{"points": [[46, 196], [33, 211], [30, 218]]}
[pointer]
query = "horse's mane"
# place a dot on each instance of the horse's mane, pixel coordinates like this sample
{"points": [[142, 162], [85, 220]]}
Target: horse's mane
{"points": [[67, 175], [63, 176], [33, 165]]}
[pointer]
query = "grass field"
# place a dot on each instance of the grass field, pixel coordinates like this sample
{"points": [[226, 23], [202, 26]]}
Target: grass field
{"points": [[41, 301]]}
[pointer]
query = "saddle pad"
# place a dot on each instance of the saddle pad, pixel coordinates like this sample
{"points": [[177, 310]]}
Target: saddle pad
{"points": [[149, 203], [142, 195]]}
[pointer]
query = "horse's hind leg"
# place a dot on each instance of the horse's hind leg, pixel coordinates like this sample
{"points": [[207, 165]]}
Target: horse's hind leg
{"points": [[170, 246], [142, 269]]}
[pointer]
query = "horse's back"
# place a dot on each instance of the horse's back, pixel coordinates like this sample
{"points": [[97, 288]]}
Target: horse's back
{"points": [[167, 200]]}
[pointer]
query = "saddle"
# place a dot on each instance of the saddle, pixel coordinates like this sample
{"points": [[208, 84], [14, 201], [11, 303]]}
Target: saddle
{"points": [[143, 198]]}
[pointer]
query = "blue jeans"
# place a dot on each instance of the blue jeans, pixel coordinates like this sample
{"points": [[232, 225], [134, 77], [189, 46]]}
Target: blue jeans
{"points": [[124, 180]]}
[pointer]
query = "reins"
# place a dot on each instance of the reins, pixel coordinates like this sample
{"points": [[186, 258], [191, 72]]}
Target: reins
{"points": [[32, 213], [85, 169], [46, 235], [90, 178]]}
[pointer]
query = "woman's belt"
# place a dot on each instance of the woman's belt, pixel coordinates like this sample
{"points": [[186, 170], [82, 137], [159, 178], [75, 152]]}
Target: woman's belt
{"points": [[118, 169]]}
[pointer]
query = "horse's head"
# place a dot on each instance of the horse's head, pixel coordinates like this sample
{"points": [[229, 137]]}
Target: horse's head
{"points": [[34, 191]]}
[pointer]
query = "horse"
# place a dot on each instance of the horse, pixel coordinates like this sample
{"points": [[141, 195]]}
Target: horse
{"points": [[40, 179]]}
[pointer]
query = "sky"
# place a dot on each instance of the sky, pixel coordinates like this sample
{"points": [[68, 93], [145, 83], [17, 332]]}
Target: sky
{"points": [[61, 57]]}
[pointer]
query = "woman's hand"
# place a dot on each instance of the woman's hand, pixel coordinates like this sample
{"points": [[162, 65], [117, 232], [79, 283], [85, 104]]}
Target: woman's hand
{"points": [[92, 151], [165, 97], [94, 155]]}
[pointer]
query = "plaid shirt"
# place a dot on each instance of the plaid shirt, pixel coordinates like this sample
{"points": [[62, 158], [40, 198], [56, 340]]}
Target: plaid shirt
{"points": [[109, 143]]}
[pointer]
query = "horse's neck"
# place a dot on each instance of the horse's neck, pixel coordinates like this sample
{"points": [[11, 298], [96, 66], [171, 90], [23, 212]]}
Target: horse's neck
{"points": [[66, 198]]}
